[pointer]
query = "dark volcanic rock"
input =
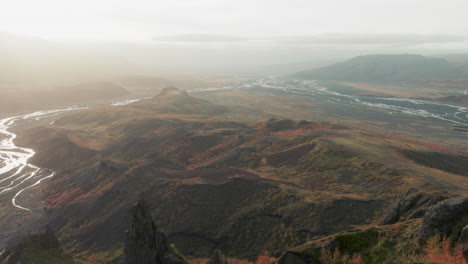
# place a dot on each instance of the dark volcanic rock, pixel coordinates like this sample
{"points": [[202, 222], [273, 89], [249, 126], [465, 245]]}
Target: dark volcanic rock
{"points": [[291, 258], [412, 206], [464, 241], [217, 258], [443, 218], [145, 244]]}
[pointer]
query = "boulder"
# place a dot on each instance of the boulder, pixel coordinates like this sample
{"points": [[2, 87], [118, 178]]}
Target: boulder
{"points": [[413, 205], [442, 218]]}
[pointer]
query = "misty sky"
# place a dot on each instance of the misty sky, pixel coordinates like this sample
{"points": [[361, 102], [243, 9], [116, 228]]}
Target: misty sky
{"points": [[238, 35], [236, 20]]}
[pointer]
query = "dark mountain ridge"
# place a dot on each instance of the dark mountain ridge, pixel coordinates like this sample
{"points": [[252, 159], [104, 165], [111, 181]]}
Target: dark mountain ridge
{"points": [[389, 68]]}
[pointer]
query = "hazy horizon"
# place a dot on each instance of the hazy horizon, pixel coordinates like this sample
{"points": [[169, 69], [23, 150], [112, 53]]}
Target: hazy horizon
{"points": [[228, 37]]}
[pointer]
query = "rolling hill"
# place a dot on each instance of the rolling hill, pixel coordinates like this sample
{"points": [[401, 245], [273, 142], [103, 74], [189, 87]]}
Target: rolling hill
{"points": [[217, 182]]}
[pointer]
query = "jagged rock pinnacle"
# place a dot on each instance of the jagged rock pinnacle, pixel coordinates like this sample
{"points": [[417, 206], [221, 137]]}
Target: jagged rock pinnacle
{"points": [[145, 244], [217, 258]]}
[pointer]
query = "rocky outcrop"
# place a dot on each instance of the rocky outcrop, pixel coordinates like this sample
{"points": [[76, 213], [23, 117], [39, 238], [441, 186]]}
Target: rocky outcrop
{"points": [[42, 247], [443, 218], [413, 205], [217, 258], [145, 244], [464, 241]]}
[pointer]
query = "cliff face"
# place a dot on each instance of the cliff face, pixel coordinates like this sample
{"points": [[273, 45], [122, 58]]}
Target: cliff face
{"points": [[446, 218], [145, 244]]}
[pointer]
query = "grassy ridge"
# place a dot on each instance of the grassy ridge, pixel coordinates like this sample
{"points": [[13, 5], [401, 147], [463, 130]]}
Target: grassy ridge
{"points": [[451, 163]]}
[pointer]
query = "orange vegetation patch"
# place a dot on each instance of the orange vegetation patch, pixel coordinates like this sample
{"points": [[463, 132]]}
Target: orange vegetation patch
{"points": [[441, 251], [63, 198], [96, 192], [265, 258]]}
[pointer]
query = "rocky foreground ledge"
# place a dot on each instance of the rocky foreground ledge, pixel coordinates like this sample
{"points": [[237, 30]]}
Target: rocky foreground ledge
{"points": [[145, 244]]}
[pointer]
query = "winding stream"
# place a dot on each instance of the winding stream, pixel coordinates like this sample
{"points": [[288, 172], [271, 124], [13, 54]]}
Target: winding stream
{"points": [[16, 173], [313, 90]]}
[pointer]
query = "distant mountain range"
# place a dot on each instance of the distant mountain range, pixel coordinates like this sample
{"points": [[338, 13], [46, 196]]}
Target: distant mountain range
{"points": [[390, 68]]}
